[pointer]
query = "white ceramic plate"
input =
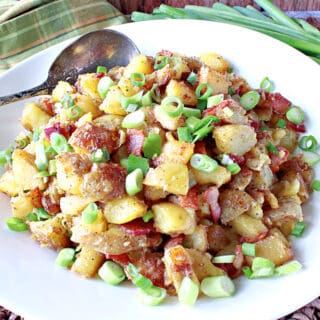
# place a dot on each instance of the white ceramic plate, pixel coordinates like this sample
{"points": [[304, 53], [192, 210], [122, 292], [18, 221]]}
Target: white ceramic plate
{"points": [[33, 286]]}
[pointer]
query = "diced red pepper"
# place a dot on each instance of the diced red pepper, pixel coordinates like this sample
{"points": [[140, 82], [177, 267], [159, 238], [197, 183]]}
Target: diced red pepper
{"points": [[134, 140], [211, 196], [138, 227]]}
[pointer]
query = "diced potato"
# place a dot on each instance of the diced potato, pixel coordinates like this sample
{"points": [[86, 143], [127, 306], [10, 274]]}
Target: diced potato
{"points": [[178, 264], [50, 233], [166, 121], [218, 177], [8, 184], [110, 121], [289, 140], [263, 179], [85, 118], [139, 63], [248, 227], [255, 211], [112, 102], [170, 218], [215, 61], [70, 170], [25, 171], [125, 209], [274, 247], [87, 84], [218, 81], [33, 117], [176, 151], [217, 237], [202, 265], [21, 205], [127, 87], [86, 104], [198, 239], [88, 262], [179, 68], [60, 90], [234, 138], [99, 225], [183, 91], [74, 205], [153, 194], [171, 177]]}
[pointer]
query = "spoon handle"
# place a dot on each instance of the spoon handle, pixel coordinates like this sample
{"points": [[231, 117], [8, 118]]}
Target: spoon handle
{"points": [[36, 91]]}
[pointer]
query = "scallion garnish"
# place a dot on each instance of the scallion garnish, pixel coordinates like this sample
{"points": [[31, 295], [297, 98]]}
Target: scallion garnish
{"points": [[65, 257], [311, 158], [298, 229], [218, 287], [191, 112], [138, 79], [192, 123], [41, 160], [288, 268], [135, 162], [42, 214], [101, 69], [172, 106], [6, 155], [192, 78], [250, 100], [203, 163], [152, 296], [52, 168], [133, 100], [281, 123], [204, 91], [142, 282], [262, 267], [160, 62], [100, 155], [67, 101], [16, 224], [201, 133], [215, 100], [295, 115], [32, 217], [74, 112], [134, 182], [59, 143], [148, 216], [133, 120], [205, 122], [234, 168], [112, 273], [315, 185], [104, 84], [266, 84], [228, 258], [249, 249], [152, 145], [188, 292], [90, 213], [184, 134], [308, 143], [272, 148]]}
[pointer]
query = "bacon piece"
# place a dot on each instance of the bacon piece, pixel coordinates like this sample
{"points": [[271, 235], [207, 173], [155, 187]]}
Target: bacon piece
{"points": [[239, 258], [277, 102], [211, 196], [200, 147], [191, 200], [278, 159], [36, 196], [240, 160], [255, 239], [297, 127], [174, 241], [165, 53], [50, 206], [91, 137], [212, 111], [254, 124], [58, 128], [122, 259], [229, 268], [134, 141], [48, 105], [99, 75], [138, 228]]}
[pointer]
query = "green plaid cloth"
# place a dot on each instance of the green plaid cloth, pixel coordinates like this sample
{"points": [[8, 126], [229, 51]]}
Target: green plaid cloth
{"points": [[29, 26]]}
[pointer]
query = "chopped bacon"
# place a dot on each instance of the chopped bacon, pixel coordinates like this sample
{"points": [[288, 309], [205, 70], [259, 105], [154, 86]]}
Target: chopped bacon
{"points": [[165, 53], [174, 241], [254, 124], [211, 196], [122, 259], [255, 239], [49, 106], [240, 160], [191, 200], [278, 103], [36, 196], [200, 147], [301, 128], [50, 206], [278, 159], [134, 141], [66, 131], [212, 111], [99, 75], [229, 268], [138, 227], [239, 258]]}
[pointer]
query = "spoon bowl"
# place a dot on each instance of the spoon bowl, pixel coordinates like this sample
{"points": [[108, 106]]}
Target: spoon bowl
{"points": [[104, 47]]}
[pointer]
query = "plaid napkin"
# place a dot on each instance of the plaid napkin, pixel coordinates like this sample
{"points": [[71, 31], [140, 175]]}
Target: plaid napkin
{"points": [[29, 26]]}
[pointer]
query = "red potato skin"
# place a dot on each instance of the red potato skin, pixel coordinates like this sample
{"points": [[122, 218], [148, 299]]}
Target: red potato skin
{"points": [[134, 141]]}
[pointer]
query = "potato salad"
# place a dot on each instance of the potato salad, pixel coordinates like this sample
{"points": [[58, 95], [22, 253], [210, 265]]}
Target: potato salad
{"points": [[171, 172]]}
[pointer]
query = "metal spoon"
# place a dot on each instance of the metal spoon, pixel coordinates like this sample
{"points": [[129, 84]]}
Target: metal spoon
{"points": [[104, 47]]}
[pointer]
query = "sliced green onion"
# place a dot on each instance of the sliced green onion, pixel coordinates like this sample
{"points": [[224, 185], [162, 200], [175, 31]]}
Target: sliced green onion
{"points": [[59, 143], [266, 84], [298, 229], [142, 282], [204, 91], [16, 224], [146, 99], [215, 100], [133, 100], [41, 160], [234, 168], [22, 143], [135, 162], [133, 120], [188, 292], [148, 216], [42, 214], [272, 148], [202, 105], [218, 287], [281, 123], [50, 152], [315, 185], [247, 272], [32, 217], [152, 145], [90, 213], [65, 257], [262, 267], [203, 163], [138, 79], [288, 268], [134, 182], [104, 84], [229, 258], [52, 169], [124, 162], [249, 249], [191, 112], [43, 174], [231, 91], [111, 273], [100, 155], [201, 133], [101, 69], [6, 155], [192, 123], [160, 62], [172, 106], [311, 158], [184, 134], [132, 270], [67, 101], [192, 78], [74, 112], [250, 100], [308, 143], [205, 122], [152, 296], [295, 115]]}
